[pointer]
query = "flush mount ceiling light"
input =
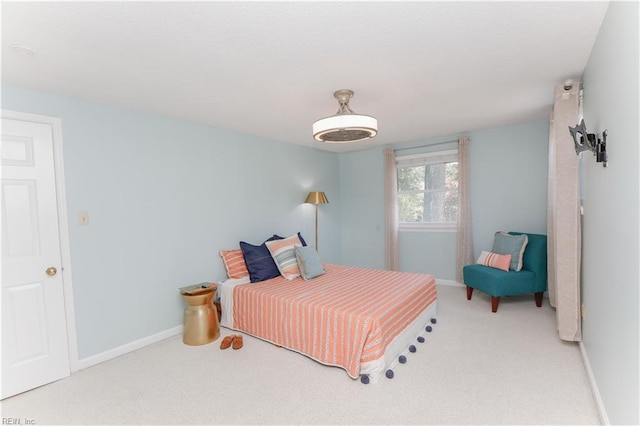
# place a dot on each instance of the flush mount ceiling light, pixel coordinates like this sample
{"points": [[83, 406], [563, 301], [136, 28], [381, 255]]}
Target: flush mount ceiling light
{"points": [[346, 125]]}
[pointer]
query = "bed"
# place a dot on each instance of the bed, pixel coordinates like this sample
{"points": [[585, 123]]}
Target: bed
{"points": [[357, 319]]}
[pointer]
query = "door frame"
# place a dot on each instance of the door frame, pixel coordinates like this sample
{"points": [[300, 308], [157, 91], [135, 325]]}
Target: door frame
{"points": [[63, 224]]}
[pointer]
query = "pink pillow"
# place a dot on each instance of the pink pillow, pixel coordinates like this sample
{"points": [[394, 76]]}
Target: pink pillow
{"points": [[494, 260], [234, 263]]}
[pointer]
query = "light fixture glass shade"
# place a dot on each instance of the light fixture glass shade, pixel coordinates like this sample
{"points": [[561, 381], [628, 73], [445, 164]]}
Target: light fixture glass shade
{"points": [[345, 126], [317, 198]]}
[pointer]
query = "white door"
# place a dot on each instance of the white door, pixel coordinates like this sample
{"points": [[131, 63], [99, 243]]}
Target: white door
{"points": [[34, 332]]}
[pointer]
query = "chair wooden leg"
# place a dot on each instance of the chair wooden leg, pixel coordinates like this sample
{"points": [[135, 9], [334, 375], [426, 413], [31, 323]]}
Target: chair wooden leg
{"points": [[469, 292], [538, 299], [494, 304]]}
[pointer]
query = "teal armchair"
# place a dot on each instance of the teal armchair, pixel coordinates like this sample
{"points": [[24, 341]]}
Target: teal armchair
{"points": [[532, 278]]}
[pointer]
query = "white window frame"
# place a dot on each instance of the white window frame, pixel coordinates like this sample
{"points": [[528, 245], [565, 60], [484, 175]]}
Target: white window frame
{"points": [[436, 157]]}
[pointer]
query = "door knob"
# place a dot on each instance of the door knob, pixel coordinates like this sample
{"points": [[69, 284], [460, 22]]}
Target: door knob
{"points": [[51, 271]]}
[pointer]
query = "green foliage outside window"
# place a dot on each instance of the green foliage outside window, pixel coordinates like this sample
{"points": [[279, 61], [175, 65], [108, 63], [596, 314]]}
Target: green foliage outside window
{"points": [[428, 194]]}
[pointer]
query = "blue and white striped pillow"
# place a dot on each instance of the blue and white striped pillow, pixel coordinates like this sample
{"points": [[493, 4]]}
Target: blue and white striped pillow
{"points": [[284, 255]]}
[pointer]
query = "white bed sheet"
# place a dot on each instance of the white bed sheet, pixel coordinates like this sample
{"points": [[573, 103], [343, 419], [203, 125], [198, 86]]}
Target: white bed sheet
{"points": [[225, 293]]}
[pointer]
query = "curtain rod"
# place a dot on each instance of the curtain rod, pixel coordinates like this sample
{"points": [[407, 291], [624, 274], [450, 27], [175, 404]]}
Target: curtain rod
{"points": [[427, 145]]}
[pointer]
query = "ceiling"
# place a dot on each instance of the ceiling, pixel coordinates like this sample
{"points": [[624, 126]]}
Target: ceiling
{"points": [[269, 69]]}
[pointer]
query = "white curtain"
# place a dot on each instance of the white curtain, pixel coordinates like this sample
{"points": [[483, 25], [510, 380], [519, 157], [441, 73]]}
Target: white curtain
{"points": [[563, 215], [391, 210], [464, 246]]}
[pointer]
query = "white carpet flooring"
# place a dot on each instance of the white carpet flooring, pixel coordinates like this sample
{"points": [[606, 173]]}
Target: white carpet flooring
{"points": [[474, 368]]}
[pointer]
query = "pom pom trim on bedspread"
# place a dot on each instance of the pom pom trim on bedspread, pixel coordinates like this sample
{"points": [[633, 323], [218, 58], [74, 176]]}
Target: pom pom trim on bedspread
{"points": [[402, 359]]}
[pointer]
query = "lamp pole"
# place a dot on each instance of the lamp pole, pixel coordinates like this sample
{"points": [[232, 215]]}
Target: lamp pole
{"points": [[315, 198], [316, 227]]}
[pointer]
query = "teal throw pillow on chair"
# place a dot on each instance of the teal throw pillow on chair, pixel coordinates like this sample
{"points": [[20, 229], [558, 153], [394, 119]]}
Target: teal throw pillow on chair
{"points": [[504, 243]]}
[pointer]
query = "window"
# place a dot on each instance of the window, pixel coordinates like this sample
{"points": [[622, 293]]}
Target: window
{"points": [[428, 191]]}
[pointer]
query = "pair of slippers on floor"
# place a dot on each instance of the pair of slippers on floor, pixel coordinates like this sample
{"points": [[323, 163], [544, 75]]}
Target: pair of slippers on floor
{"points": [[235, 341]]}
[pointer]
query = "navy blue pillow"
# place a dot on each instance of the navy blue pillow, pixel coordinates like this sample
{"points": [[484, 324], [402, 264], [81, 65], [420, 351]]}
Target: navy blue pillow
{"points": [[259, 262]]}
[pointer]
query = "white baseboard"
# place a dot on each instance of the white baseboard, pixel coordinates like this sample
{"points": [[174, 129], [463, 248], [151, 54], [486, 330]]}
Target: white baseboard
{"points": [[451, 283], [129, 347], [602, 412]]}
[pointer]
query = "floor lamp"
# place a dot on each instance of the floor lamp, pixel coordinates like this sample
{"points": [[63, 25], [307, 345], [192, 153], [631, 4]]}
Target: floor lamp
{"points": [[316, 198]]}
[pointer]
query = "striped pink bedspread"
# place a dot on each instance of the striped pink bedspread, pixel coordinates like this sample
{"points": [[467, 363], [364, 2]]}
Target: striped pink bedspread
{"points": [[344, 318]]}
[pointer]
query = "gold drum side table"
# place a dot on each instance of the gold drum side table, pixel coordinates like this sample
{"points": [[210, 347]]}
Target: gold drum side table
{"points": [[200, 319]]}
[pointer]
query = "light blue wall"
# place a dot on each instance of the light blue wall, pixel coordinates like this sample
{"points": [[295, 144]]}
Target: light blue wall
{"points": [[164, 196], [362, 203], [428, 252], [509, 173], [610, 277], [508, 169]]}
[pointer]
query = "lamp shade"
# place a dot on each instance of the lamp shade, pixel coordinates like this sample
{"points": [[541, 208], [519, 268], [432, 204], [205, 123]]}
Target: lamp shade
{"points": [[316, 197]]}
